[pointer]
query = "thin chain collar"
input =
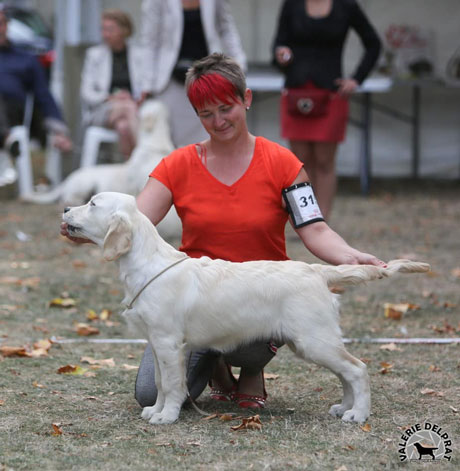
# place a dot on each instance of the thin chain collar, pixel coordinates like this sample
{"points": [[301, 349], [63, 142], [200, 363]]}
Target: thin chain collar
{"points": [[130, 305]]}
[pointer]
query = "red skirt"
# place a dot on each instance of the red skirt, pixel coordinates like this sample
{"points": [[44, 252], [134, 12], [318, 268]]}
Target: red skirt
{"points": [[329, 127]]}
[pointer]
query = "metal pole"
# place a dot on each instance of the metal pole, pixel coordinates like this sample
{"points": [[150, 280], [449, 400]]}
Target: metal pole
{"points": [[365, 158], [416, 95]]}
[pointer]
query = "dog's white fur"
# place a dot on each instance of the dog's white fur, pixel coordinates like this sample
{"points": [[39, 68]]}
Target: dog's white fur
{"points": [[221, 305]]}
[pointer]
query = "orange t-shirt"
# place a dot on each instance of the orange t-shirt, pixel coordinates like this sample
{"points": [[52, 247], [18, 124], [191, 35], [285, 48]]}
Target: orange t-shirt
{"points": [[241, 222]]}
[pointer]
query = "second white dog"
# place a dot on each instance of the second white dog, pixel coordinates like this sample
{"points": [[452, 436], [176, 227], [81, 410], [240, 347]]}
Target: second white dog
{"points": [[185, 303], [154, 143]]}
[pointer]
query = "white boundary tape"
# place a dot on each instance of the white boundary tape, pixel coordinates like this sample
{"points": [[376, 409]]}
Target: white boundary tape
{"points": [[412, 340]]}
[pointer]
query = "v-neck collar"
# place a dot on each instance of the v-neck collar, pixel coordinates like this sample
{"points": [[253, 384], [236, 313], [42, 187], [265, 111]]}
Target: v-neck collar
{"points": [[318, 17], [236, 182]]}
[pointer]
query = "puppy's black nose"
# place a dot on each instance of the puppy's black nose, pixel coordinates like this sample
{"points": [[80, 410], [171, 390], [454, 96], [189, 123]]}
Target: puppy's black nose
{"points": [[67, 209]]}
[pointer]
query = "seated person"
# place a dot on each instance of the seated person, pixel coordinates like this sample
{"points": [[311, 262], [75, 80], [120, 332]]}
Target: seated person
{"points": [[21, 74], [113, 79]]}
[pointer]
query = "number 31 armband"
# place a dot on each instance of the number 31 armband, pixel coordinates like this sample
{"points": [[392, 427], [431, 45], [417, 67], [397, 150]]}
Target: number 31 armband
{"points": [[301, 204]]}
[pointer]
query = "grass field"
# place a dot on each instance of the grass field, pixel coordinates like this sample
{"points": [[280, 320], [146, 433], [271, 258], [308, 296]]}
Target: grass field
{"points": [[97, 424]]}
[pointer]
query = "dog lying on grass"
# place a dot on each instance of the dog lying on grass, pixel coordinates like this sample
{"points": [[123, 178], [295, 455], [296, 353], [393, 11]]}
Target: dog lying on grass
{"points": [[184, 303]]}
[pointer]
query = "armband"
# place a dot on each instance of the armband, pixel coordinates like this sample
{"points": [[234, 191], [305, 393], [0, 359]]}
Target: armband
{"points": [[301, 204]]}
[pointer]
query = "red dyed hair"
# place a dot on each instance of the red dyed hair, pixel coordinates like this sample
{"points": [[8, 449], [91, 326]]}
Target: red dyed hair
{"points": [[211, 88]]}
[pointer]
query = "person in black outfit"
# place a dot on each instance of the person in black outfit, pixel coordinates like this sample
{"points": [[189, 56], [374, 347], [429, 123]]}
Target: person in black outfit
{"points": [[178, 32], [308, 47]]}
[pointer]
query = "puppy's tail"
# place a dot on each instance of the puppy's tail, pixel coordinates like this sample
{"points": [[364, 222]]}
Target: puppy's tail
{"points": [[43, 198], [344, 275]]}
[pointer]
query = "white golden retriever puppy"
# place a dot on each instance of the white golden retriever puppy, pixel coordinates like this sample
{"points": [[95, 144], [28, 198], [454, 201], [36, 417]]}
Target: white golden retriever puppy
{"points": [[186, 303]]}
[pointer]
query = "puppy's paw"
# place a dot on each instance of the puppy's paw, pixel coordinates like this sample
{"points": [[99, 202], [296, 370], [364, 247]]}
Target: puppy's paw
{"points": [[148, 412], [163, 418], [355, 415], [338, 410]]}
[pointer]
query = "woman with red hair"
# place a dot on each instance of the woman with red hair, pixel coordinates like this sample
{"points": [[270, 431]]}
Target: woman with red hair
{"points": [[234, 193]]}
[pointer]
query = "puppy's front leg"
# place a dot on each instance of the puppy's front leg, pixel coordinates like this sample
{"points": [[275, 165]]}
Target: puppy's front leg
{"points": [[170, 359], [148, 412]]}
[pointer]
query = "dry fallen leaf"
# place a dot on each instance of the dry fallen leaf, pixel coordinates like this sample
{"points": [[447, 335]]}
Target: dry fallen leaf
{"points": [[456, 272], [62, 302], [41, 348], [105, 314], [431, 392], [365, 427], [79, 264], [46, 344], [57, 429], [445, 329], [392, 347], [270, 376], [386, 367], [7, 351], [249, 423], [2, 402], [130, 367], [91, 315], [71, 370], [396, 311], [31, 282], [38, 353], [85, 329], [349, 448], [226, 417], [107, 362], [434, 368], [36, 384]]}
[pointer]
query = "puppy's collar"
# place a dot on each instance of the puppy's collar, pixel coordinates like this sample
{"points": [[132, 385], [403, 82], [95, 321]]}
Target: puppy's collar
{"points": [[130, 305]]}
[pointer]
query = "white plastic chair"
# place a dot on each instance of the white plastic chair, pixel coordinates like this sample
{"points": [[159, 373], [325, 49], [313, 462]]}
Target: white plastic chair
{"points": [[94, 137], [20, 134]]}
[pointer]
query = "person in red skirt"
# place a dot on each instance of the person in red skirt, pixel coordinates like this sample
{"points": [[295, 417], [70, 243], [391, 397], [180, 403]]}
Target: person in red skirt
{"points": [[308, 48]]}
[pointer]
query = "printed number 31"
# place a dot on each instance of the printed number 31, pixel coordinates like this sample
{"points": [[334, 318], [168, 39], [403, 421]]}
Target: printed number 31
{"points": [[304, 200]]}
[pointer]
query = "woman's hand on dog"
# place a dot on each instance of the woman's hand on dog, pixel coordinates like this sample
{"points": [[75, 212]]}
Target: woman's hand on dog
{"points": [[361, 258], [77, 240]]}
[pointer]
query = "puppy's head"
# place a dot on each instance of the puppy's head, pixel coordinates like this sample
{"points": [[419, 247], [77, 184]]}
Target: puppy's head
{"points": [[150, 113], [106, 220]]}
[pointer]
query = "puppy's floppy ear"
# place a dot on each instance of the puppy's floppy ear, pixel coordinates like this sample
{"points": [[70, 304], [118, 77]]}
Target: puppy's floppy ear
{"points": [[118, 238]]}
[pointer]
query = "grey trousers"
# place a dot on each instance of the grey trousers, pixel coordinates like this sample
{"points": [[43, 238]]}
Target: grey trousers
{"points": [[200, 364]]}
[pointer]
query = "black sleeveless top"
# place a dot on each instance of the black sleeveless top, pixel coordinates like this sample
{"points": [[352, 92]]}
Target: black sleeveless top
{"points": [[193, 45], [120, 72]]}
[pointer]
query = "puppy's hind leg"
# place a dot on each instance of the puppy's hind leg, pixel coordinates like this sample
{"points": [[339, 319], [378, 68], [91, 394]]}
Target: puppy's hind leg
{"points": [[171, 365], [337, 410], [352, 373], [148, 412]]}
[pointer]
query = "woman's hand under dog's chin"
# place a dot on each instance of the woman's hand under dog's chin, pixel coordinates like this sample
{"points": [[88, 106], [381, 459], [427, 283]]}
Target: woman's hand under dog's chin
{"points": [[77, 240]]}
